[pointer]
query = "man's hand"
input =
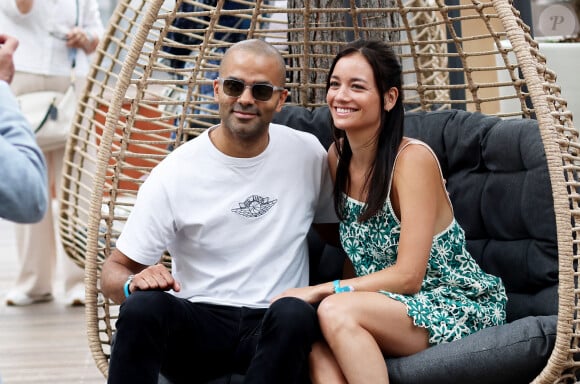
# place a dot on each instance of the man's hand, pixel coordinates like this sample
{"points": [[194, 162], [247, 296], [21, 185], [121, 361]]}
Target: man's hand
{"points": [[118, 267], [8, 46], [155, 277]]}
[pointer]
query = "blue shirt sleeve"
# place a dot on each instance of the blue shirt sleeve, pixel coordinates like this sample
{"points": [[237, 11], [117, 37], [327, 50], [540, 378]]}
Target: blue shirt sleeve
{"points": [[23, 179]]}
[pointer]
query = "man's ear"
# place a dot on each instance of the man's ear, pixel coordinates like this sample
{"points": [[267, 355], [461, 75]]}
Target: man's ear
{"points": [[282, 100], [216, 89], [390, 98]]}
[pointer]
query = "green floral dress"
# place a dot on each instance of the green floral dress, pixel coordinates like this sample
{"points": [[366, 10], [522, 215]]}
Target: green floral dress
{"points": [[456, 298]]}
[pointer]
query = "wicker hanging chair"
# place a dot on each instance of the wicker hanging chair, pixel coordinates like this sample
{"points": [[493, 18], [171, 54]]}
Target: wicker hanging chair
{"points": [[148, 93]]}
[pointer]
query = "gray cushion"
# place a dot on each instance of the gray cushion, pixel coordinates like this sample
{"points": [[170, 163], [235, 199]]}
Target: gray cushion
{"points": [[511, 353], [498, 181]]}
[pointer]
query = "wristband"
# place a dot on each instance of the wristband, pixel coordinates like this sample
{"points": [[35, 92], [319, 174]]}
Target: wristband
{"points": [[126, 290], [339, 289]]}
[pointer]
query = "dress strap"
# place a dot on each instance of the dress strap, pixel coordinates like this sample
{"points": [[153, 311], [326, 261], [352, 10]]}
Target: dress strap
{"points": [[419, 142]]}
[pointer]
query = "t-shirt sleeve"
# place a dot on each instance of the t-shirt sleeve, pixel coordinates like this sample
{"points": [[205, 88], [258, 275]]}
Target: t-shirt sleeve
{"points": [[325, 212], [151, 225]]}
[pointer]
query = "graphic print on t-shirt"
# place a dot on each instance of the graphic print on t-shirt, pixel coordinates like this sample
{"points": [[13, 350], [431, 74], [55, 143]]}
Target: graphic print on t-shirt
{"points": [[254, 206]]}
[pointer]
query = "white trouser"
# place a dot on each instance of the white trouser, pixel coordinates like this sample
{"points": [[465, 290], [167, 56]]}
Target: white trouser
{"points": [[38, 244]]}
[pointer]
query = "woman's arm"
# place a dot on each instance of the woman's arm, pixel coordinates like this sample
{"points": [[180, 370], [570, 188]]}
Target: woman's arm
{"points": [[420, 202], [332, 161]]}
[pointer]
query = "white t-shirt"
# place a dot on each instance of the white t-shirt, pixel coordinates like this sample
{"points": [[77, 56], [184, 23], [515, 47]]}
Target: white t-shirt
{"points": [[39, 52], [235, 227]]}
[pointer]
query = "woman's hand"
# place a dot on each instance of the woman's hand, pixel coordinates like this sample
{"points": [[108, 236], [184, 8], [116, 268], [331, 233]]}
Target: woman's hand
{"points": [[78, 38], [311, 294]]}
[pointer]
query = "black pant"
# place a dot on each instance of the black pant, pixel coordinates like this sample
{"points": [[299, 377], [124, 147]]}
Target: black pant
{"points": [[196, 342]]}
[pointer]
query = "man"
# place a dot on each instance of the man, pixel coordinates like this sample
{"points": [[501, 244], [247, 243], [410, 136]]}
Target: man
{"points": [[23, 195], [233, 207]]}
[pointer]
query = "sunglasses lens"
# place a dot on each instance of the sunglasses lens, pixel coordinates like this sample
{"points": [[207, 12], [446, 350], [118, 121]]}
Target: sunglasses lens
{"points": [[233, 88], [262, 92]]}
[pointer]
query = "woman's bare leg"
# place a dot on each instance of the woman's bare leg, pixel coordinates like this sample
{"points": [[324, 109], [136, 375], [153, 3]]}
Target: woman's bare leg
{"points": [[324, 368], [360, 327]]}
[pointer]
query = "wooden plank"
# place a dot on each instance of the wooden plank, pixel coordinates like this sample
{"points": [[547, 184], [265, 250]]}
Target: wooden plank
{"points": [[41, 343]]}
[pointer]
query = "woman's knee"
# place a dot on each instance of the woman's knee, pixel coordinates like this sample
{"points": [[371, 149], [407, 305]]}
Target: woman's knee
{"points": [[334, 313]]}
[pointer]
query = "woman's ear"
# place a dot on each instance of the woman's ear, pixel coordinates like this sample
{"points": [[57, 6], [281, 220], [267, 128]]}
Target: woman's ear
{"points": [[391, 97]]}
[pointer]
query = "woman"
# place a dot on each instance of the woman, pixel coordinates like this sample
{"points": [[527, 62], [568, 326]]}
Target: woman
{"points": [[414, 283], [53, 36]]}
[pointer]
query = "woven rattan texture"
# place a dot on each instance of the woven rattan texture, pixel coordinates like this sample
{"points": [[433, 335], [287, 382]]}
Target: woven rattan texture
{"points": [[149, 90]]}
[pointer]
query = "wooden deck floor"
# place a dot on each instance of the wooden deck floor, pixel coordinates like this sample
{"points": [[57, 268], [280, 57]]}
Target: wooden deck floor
{"points": [[42, 343]]}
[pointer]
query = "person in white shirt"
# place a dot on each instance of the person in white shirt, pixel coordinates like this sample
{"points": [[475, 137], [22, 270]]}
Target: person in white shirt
{"points": [[53, 34], [233, 207]]}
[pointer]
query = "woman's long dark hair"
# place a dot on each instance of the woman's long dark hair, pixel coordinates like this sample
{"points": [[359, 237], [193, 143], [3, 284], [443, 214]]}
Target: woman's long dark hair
{"points": [[388, 73]]}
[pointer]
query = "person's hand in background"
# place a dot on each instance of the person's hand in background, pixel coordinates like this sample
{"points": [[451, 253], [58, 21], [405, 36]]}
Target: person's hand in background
{"points": [[78, 38]]}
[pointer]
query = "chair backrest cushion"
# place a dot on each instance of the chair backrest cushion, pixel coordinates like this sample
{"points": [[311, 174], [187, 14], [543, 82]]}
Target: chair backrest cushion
{"points": [[497, 177]]}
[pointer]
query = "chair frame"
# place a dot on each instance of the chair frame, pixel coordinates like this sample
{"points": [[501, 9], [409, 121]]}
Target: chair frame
{"points": [[99, 158]]}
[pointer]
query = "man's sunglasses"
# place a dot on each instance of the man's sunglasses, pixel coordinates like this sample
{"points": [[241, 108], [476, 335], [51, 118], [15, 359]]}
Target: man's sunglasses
{"points": [[261, 92]]}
